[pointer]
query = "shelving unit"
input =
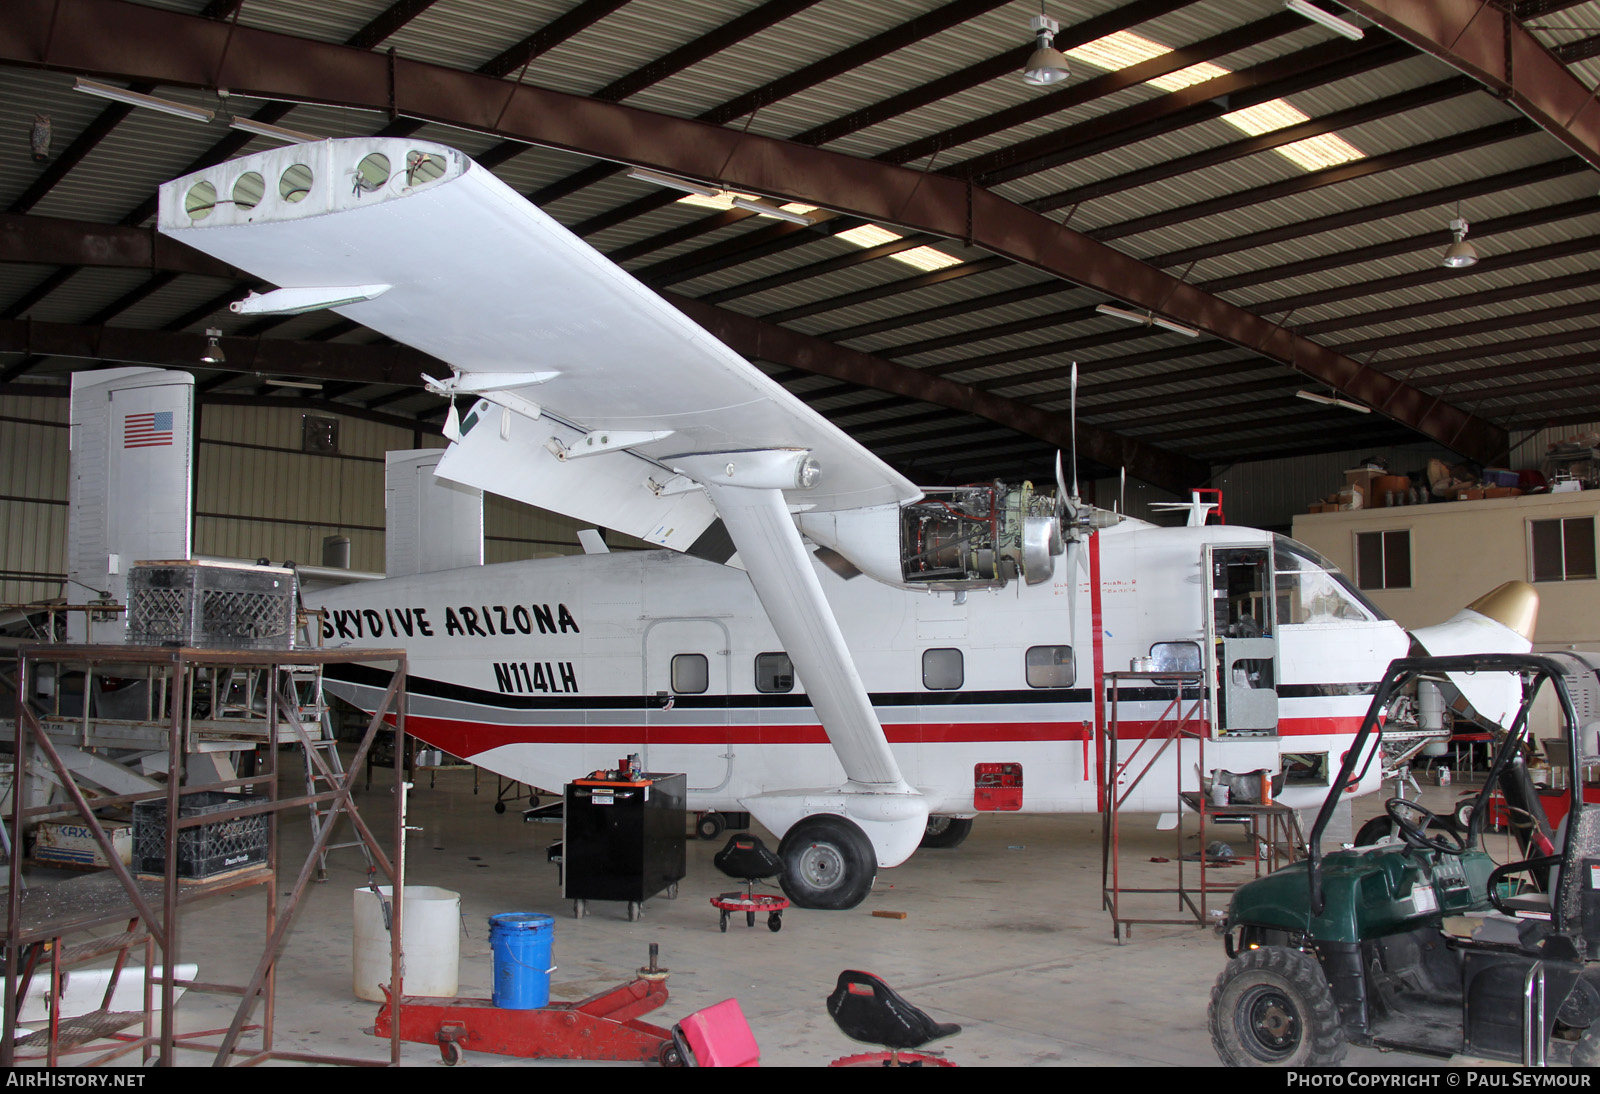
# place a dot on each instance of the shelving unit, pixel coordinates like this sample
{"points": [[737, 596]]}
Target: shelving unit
{"points": [[40, 920]]}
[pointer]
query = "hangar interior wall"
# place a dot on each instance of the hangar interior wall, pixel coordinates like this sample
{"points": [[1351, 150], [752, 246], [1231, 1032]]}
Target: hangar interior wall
{"points": [[257, 494]]}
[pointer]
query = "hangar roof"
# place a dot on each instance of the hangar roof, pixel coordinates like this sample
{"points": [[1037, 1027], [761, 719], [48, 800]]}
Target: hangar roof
{"points": [[1264, 200]]}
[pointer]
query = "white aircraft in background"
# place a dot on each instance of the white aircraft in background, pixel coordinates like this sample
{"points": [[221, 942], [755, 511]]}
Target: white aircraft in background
{"points": [[854, 661]]}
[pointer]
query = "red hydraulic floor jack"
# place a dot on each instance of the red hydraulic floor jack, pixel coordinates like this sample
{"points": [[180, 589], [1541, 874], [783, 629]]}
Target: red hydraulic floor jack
{"points": [[604, 1026]]}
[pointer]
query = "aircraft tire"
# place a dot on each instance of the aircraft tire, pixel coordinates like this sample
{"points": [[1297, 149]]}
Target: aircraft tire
{"points": [[1272, 1007], [828, 863], [947, 831], [1375, 831]]}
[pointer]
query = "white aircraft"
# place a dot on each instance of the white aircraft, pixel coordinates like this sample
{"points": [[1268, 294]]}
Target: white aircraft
{"points": [[854, 661]]}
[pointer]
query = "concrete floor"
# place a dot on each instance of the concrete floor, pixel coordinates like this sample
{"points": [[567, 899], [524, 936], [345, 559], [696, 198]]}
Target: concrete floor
{"points": [[1004, 935]]}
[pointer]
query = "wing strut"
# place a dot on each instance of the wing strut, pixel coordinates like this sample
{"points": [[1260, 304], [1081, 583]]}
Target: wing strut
{"points": [[747, 490]]}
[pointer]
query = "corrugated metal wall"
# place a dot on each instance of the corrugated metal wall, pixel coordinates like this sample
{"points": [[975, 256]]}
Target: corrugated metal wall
{"points": [[33, 498], [257, 494]]}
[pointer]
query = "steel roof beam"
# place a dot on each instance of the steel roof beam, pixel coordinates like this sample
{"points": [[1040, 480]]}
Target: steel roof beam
{"points": [[315, 360], [144, 43], [1491, 45]]}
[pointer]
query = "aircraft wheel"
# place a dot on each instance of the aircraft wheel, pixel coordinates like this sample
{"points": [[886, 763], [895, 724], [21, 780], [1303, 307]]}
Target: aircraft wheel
{"points": [[946, 831], [1376, 831], [710, 825], [499, 807], [1271, 1007], [828, 863]]}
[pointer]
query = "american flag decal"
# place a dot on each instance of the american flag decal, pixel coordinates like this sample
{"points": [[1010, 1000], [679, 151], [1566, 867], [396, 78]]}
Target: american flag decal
{"points": [[147, 430]]}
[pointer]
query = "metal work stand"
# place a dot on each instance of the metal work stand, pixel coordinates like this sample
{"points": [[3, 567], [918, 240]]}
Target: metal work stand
{"points": [[1182, 719], [42, 917]]}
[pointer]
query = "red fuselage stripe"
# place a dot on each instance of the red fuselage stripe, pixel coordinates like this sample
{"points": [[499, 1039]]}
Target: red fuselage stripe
{"points": [[465, 739]]}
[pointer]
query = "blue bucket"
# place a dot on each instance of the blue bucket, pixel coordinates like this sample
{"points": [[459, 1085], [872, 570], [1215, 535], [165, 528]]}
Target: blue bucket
{"points": [[521, 943]]}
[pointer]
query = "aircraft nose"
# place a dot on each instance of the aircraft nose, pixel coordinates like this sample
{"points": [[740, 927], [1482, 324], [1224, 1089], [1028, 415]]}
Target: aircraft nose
{"points": [[1514, 604]]}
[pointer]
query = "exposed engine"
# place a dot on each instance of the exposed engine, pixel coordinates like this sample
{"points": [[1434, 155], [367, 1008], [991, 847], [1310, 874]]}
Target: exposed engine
{"points": [[979, 536]]}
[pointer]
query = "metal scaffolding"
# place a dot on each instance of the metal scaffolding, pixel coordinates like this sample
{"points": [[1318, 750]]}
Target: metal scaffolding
{"points": [[38, 920]]}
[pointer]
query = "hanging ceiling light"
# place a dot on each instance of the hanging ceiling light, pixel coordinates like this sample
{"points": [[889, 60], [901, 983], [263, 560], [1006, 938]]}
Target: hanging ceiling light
{"points": [[213, 354], [1148, 319], [275, 132], [1046, 65], [660, 178], [1333, 400], [136, 98], [1459, 254], [1310, 11]]}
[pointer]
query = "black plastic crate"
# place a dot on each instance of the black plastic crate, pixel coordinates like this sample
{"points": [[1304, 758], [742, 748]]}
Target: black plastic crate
{"points": [[205, 851]]}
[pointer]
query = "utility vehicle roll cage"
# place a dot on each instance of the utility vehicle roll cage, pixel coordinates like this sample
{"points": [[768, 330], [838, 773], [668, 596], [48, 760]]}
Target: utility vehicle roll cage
{"points": [[1507, 771]]}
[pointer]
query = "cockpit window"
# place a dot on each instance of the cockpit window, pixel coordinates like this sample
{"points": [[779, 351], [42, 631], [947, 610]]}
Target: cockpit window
{"points": [[1310, 589]]}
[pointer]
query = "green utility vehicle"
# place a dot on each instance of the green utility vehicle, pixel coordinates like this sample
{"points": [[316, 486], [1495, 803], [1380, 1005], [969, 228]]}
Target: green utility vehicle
{"points": [[1426, 945]]}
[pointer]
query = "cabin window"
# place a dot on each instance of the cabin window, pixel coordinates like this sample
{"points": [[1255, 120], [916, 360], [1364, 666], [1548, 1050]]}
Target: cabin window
{"points": [[691, 674], [1049, 666], [774, 672], [942, 670], [1383, 560], [1175, 657], [1562, 550]]}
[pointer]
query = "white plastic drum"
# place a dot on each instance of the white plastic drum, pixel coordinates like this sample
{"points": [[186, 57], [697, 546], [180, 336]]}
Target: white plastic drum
{"points": [[431, 937]]}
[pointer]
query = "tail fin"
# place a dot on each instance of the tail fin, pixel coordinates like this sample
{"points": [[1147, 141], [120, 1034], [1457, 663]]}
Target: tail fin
{"points": [[432, 523], [132, 434]]}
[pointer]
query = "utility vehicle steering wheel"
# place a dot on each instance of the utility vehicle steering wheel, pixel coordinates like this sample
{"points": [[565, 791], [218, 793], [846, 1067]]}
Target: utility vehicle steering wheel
{"points": [[1399, 810]]}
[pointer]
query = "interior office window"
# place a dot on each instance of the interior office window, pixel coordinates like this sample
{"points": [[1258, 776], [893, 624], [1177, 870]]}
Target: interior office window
{"points": [[1562, 550], [1049, 666], [1383, 560], [942, 670], [774, 672], [691, 673]]}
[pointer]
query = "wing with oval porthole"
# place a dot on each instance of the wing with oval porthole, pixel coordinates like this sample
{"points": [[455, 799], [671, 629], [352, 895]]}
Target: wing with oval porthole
{"points": [[575, 385]]}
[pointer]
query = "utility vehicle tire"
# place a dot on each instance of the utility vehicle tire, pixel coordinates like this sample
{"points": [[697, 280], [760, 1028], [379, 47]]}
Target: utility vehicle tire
{"points": [[1271, 1007], [828, 863], [1587, 1051], [947, 831]]}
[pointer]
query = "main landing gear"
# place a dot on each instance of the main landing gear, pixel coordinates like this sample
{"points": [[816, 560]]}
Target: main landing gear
{"points": [[828, 863]]}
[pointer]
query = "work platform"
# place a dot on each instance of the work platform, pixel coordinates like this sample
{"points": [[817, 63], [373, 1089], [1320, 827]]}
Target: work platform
{"points": [[38, 921]]}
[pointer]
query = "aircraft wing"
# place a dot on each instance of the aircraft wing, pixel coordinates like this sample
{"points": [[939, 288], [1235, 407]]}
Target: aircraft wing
{"points": [[592, 395], [581, 383]]}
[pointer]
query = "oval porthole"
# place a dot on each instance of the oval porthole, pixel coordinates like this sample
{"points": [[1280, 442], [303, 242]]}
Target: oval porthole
{"points": [[200, 200], [423, 167], [248, 190], [295, 183], [372, 172]]}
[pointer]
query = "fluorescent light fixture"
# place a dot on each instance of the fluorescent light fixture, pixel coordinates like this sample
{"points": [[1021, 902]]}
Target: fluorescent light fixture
{"points": [[276, 132], [1317, 15], [309, 385], [1329, 400], [673, 182], [135, 98], [764, 209], [1147, 319]]}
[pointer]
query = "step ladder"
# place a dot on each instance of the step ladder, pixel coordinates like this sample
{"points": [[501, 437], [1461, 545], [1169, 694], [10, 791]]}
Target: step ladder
{"points": [[301, 698]]}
